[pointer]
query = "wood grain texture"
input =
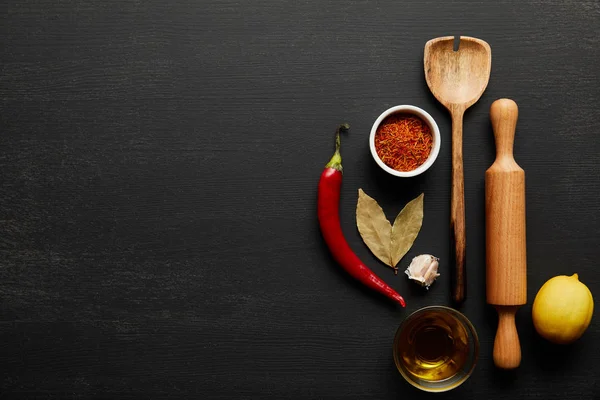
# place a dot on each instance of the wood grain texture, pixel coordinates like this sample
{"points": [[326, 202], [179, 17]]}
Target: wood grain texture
{"points": [[507, 347], [158, 172], [458, 231], [457, 79], [506, 243]]}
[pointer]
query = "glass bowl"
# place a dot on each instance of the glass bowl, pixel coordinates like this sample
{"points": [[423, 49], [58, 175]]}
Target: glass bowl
{"points": [[436, 348]]}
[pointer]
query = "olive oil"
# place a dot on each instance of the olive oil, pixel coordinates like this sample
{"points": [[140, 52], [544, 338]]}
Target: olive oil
{"points": [[432, 346]]}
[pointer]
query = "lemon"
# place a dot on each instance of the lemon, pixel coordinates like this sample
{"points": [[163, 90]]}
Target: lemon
{"points": [[562, 309]]}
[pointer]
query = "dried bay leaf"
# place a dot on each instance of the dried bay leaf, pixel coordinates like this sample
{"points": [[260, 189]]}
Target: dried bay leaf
{"points": [[405, 229], [374, 227]]}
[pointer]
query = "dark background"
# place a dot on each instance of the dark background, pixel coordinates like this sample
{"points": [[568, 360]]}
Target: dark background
{"points": [[159, 163]]}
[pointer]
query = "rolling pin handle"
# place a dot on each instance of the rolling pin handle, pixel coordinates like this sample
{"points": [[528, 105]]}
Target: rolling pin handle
{"points": [[507, 348], [504, 114]]}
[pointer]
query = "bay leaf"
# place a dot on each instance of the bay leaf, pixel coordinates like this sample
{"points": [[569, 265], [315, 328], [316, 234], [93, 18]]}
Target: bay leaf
{"points": [[374, 227], [406, 228]]}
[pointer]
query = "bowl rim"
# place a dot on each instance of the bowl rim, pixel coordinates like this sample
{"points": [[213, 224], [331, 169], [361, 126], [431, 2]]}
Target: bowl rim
{"points": [[425, 116]]}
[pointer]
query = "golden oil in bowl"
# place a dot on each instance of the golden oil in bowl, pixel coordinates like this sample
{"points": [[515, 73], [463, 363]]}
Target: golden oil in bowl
{"points": [[436, 348]]}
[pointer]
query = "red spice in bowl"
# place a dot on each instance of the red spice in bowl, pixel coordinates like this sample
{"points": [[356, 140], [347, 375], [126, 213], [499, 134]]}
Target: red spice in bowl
{"points": [[403, 141]]}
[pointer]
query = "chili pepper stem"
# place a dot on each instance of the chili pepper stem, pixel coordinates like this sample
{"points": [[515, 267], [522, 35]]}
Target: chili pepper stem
{"points": [[336, 160]]}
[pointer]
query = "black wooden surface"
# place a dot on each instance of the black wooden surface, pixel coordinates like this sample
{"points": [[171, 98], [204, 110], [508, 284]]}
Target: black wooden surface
{"points": [[159, 163]]}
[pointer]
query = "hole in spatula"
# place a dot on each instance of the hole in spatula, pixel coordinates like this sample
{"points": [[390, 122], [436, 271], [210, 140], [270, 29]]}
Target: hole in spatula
{"points": [[456, 42]]}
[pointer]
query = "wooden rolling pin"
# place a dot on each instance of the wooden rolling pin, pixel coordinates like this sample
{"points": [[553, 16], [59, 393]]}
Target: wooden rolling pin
{"points": [[506, 261]]}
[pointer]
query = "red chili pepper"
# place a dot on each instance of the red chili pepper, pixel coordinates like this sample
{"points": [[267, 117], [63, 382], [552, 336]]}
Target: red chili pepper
{"points": [[329, 220]]}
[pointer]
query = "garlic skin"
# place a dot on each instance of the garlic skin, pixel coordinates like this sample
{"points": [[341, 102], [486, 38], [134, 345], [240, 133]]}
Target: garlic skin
{"points": [[423, 269]]}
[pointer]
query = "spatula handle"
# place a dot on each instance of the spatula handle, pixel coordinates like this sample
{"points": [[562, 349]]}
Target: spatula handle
{"points": [[457, 210]]}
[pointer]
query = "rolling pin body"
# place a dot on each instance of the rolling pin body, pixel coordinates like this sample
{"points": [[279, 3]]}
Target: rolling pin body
{"points": [[506, 262]]}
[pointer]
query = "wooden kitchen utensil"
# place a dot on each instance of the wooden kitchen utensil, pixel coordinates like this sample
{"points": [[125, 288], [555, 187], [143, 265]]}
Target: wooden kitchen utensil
{"points": [[457, 79], [506, 261]]}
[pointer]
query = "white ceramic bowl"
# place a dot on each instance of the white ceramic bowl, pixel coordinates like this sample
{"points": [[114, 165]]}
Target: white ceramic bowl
{"points": [[435, 131]]}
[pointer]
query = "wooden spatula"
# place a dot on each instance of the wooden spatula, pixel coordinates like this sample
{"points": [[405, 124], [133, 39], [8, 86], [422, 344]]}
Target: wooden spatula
{"points": [[506, 261], [457, 79]]}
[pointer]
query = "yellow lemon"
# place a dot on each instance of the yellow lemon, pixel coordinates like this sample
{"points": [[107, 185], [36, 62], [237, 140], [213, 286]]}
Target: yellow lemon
{"points": [[562, 309]]}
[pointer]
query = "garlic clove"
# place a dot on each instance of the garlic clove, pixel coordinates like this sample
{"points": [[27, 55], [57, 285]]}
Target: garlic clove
{"points": [[423, 269]]}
